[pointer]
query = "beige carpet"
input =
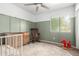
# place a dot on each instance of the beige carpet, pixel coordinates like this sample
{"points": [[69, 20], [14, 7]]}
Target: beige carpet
{"points": [[44, 49]]}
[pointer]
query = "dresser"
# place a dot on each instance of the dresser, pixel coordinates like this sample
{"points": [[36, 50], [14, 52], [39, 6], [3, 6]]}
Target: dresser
{"points": [[25, 38]]}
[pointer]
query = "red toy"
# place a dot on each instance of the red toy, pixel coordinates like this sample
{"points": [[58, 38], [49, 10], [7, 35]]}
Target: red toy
{"points": [[64, 42], [69, 44]]}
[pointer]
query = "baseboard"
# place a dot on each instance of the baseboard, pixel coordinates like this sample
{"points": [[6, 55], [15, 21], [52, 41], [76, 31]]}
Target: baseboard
{"points": [[57, 43], [75, 47], [51, 42]]}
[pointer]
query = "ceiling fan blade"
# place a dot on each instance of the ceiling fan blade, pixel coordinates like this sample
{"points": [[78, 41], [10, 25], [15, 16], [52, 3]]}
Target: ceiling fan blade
{"points": [[44, 6], [37, 8], [29, 4]]}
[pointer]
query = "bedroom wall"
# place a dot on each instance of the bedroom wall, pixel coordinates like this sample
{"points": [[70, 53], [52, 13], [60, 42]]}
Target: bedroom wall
{"points": [[44, 25], [44, 29], [77, 24], [12, 24], [14, 19]]}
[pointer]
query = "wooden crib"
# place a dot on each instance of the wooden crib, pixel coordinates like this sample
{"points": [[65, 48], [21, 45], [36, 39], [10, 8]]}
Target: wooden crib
{"points": [[13, 45]]}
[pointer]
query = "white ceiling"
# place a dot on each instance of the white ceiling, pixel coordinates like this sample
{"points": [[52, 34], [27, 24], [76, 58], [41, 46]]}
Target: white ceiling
{"points": [[51, 6]]}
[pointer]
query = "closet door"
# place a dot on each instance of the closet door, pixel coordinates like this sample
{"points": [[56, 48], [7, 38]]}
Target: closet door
{"points": [[15, 24], [4, 23]]}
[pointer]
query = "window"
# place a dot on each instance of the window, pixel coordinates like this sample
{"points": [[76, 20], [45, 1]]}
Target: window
{"points": [[61, 24], [65, 24], [55, 24]]}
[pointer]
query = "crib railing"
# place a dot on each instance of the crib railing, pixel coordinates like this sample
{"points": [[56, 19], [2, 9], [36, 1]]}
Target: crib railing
{"points": [[13, 45]]}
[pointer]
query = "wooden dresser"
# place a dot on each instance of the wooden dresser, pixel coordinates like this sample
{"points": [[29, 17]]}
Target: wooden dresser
{"points": [[25, 38]]}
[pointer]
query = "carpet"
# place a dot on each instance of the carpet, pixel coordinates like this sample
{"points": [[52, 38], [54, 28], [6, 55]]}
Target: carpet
{"points": [[44, 49]]}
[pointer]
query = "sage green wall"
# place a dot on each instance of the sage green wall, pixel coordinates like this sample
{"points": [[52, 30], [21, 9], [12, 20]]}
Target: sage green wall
{"points": [[4, 23], [13, 24], [45, 34]]}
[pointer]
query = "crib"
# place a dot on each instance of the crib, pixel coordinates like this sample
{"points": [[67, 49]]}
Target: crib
{"points": [[13, 45]]}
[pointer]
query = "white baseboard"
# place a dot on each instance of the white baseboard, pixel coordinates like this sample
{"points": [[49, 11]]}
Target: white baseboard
{"points": [[75, 47], [51, 42], [57, 43]]}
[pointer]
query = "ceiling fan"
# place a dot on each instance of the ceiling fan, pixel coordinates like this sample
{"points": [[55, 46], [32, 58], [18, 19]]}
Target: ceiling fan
{"points": [[36, 4]]}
